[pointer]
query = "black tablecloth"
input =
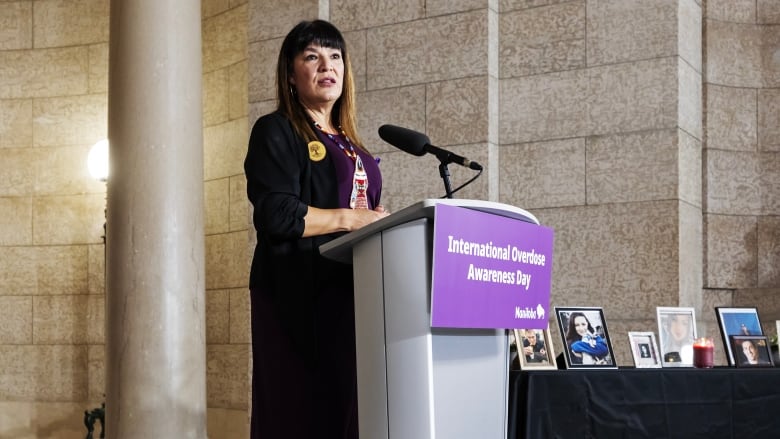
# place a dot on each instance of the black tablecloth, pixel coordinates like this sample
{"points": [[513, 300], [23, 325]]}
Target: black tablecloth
{"points": [[645, 403]]}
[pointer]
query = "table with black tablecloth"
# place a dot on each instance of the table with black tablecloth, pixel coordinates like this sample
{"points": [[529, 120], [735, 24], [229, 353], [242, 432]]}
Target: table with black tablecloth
{"points": [[632, 403]]}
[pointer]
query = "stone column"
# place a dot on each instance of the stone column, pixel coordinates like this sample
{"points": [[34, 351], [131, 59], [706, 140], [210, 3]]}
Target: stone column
{"points": [[155, 313]]}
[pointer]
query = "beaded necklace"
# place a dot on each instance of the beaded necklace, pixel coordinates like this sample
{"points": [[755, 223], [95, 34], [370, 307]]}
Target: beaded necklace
{"points": [[358, 198], [349, 150]]}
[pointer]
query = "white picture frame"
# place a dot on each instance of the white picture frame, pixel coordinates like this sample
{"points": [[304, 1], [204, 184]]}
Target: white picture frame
{"points": [[676, 334], [541, 354], [644, 349], [777, 324]]}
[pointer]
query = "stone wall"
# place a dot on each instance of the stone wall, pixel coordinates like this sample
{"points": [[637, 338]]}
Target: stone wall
{"points": [[53, 83], [227, 221], [742, 156]]}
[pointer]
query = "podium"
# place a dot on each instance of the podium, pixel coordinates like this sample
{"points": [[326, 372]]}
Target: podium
{"points": [[415, 381]]}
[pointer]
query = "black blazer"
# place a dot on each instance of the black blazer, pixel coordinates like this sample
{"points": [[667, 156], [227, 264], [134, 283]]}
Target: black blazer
{"points": [[282, 181]]}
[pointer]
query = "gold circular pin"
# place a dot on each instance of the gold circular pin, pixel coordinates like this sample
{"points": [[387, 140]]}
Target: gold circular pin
{"points": [[316, 151]]}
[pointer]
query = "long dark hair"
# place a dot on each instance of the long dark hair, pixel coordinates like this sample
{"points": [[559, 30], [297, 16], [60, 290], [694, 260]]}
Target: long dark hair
{"points": [[321, 33], [571, 331]]}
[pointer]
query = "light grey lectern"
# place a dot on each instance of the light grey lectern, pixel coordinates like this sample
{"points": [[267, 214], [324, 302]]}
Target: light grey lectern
{"points": [[414, 381]]}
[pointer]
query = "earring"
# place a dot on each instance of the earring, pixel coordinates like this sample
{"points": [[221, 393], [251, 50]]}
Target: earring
{"points": [[292, 91]]}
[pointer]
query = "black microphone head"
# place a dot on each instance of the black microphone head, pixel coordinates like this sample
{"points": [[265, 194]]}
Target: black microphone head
{"points": [[404, 139]]}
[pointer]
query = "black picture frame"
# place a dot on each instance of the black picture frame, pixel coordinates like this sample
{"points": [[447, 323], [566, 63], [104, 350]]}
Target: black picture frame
{"points": [[590, 348], [737, 320], [743, 345]]}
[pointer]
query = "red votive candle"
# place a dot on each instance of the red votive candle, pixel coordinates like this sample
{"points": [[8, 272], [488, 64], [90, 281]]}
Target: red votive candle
{"points": [[703, 350]]}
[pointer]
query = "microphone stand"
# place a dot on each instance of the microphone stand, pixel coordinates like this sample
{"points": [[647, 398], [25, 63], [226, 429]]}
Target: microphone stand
{"points": [[444, 172]]}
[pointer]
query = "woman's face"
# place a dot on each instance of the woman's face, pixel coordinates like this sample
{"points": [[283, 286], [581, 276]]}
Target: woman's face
{"points": [[679, 327], [749, 350], [581, 325], [318, 74]]}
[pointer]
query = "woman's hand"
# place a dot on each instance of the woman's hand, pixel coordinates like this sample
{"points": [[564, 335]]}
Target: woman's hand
{"points": [[323, 221], [364, 217]]}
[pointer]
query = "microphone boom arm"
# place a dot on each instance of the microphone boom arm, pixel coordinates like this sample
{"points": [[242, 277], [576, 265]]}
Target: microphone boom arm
{"points": [[444, 172], [450, 157], [418, 144]]}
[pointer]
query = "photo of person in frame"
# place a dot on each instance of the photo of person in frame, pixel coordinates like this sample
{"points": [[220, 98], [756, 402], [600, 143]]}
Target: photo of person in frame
{"points": [[677, 332], [737, 322], [644, 349], [751, 352], [533, 347], [585, 345], [536, 350]]}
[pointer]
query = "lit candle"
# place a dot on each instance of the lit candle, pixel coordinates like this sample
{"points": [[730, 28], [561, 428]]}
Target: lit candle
{"points": [[703, 350]]}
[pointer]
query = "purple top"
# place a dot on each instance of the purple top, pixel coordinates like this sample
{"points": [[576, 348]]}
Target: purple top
{"points": [[345, 170]]}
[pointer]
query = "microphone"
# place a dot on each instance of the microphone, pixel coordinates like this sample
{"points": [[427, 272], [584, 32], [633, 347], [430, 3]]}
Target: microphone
{"points": [[419, 144]]}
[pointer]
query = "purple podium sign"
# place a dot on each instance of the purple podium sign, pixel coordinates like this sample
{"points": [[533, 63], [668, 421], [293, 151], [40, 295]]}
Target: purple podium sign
{"points": [[489, 271]]}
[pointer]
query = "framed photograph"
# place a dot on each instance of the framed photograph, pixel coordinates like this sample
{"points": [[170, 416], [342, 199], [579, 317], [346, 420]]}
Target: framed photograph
{"points": [[777, 334], [644, 349], [535, 349], [751, 351], [676, 332], [514, 362], [737, 321], [585, 337]]}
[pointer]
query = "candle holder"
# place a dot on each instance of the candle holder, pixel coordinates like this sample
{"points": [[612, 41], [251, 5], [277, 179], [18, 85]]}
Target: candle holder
{"points": [[703, 353]]}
